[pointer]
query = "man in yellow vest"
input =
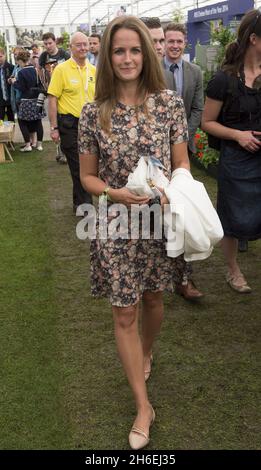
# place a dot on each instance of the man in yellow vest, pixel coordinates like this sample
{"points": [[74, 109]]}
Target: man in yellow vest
{"points": [[72, 85]]}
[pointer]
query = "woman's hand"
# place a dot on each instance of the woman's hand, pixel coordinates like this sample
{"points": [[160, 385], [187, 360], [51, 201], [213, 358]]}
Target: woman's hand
{"points": [[164, 200], [126, 197], [163, 197], [249, 140]]}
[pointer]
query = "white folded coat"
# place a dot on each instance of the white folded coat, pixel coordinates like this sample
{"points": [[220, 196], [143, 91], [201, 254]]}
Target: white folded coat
{"points": [[197, 225], [191, 224]]}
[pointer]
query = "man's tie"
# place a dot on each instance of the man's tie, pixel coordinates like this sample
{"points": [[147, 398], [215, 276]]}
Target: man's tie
{"points": [[173, 67]]}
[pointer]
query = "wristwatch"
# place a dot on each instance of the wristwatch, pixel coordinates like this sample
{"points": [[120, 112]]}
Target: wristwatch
{"points": [[54, 128], [105, 194]]}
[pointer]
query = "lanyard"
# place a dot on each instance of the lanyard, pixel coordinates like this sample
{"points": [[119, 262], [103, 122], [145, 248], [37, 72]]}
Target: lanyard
{"points": [[80, 70]]}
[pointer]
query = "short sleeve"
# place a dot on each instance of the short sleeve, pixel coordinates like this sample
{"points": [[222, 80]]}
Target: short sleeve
{"points": [[42, 59], [179, 125], [217, 87], [56, 84], [87, 141]]}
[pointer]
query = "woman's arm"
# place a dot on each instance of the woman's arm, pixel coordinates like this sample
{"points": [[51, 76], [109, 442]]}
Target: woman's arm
{"points": [[209, 124], [94, 185], [89, 174], [20, 83], [52, 114], [179, 156]]}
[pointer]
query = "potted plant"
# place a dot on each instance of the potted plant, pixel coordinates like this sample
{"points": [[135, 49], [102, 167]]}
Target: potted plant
{"points": [[205, 157]]}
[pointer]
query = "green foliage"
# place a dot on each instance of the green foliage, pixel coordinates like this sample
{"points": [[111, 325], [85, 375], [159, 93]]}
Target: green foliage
{"points": [[177, 16], [204, 153], [221, 36], [207, 75], [2, 41], [64, 41]]}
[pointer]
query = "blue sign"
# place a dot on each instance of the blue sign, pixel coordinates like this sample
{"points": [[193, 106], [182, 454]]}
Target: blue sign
{"points": [[198, 25], [218, 10]]}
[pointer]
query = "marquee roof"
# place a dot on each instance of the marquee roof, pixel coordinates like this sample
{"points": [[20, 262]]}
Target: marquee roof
{"points": [[23, 13]]}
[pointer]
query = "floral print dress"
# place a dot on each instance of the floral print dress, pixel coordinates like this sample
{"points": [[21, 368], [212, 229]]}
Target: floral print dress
{"points": [[122, 269]]}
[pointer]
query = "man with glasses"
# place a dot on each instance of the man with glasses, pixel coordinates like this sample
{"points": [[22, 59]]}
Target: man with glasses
{"points": [[72, 85]]}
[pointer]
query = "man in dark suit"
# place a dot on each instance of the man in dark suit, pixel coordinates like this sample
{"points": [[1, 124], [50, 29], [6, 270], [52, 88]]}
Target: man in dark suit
{"points": [[6, 70], [189, 85], [158, 38]]}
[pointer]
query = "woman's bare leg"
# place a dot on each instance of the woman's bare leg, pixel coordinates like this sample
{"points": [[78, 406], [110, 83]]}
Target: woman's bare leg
{"points": [[152, 316], [131, 355], [229, 247]]}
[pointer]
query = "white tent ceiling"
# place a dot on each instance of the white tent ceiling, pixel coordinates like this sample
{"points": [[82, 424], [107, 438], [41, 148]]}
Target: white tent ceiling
{"points": [[22, 13]]}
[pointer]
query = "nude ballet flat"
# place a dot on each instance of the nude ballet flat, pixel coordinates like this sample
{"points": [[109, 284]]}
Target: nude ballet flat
{"points": [[148, 371], [238, 283], [138, 438]]}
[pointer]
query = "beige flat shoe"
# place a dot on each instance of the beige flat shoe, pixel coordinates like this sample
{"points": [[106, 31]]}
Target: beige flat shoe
{"points": [[148, 371], [138, 438], [238, 283]]}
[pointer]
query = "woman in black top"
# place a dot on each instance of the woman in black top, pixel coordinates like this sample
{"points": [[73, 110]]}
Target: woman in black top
{"points": [[234, 93]]}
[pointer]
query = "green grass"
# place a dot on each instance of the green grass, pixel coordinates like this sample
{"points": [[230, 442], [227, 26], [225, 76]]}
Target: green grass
{"points": [[32, 409], [61, 382]]}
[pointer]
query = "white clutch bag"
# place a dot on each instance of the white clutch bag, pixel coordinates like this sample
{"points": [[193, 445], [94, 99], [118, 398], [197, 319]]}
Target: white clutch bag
{"points": [[147, 177]]}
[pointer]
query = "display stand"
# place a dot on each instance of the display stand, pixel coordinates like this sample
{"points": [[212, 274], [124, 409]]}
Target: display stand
{"points": [[6, 137]]}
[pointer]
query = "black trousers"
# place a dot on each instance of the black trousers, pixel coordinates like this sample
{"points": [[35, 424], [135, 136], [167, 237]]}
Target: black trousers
{"points": [[27, 127], [5, 109], [68, 129]]}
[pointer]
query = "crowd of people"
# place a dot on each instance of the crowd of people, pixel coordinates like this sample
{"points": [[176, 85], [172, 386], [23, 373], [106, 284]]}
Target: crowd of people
{"points": [[24, 87], [131, 94]]}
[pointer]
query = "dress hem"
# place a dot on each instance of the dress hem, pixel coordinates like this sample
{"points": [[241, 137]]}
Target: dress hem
{"points": [[242, 237], [139, 298]]}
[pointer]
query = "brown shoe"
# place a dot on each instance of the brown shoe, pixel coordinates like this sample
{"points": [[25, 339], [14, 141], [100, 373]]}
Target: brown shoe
{"points": [[189, 291]]}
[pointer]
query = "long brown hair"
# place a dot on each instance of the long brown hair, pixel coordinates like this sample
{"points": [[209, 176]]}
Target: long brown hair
{"points": [[236, 50], [151, 78]]}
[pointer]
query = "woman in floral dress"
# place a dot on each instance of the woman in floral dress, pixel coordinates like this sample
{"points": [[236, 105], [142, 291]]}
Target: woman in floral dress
{"points": [[133, 115]]}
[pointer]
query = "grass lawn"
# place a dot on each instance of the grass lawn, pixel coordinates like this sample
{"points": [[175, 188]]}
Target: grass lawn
{"points": [[61, 382]]}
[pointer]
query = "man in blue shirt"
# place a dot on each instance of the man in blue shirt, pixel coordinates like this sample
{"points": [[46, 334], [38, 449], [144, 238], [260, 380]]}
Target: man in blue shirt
{"points": [[189, 85], [94, 45]]}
